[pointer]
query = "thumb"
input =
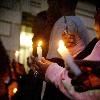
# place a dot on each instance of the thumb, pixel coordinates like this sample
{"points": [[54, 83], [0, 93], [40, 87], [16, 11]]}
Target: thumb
{"points": [[40, 63], [46, 61]]}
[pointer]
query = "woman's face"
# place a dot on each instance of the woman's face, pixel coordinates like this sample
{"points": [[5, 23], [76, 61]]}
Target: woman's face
{"points": [[97, 24]]}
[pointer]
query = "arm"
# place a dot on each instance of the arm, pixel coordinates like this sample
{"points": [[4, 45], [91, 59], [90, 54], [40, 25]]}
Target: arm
{"points": [[59, 77]]}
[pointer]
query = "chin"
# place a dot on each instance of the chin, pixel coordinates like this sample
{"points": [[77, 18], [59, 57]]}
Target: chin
{"points": [[98, 37]]}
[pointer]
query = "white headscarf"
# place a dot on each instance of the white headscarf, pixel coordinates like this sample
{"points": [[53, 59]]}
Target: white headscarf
{"points": [[74, 24]]}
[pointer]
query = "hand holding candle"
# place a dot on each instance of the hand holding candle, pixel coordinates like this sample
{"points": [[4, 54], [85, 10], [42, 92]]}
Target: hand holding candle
{"points": [[39, 50], [63, 51]]}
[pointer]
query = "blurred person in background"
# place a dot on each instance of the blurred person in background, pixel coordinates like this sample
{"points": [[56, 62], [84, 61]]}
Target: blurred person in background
{"points": [[5, 75]]}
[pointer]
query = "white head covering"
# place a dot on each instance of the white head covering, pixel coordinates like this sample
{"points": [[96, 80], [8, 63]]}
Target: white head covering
{"points": [[74, 25]]}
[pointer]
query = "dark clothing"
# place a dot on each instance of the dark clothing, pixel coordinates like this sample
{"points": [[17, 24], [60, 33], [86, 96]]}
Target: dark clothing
{"points": [[88, 49], [52, 93], [29, 88]]}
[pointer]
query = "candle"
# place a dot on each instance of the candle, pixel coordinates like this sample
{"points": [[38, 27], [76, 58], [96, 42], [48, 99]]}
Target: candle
{"points": [[16, 56], [30, 51], [39, 50], [63, 51]]}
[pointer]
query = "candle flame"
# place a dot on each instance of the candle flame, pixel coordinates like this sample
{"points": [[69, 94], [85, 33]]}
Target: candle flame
{"points": [[62, 50], [61, 44], [14, 90], [40, 43], [16, 53]]}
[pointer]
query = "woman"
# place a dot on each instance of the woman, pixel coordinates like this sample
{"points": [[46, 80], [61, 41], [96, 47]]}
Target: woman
{"points": [[59, 75]]}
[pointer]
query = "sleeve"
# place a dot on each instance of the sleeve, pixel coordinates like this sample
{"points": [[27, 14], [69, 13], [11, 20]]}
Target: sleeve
{"points": [[59, 76]]}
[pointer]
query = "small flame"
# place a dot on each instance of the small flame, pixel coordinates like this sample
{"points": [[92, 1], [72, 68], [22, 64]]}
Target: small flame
{"points": [[61, 44], [14, 90], [40, 43], [16, 53]]}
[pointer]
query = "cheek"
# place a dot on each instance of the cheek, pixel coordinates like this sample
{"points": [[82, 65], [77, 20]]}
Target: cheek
{"points": [[97, 29], [98, 35]]}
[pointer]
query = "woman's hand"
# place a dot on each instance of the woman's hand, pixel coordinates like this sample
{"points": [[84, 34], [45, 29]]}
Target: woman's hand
{"points": [[40, 67], [43, 65]]}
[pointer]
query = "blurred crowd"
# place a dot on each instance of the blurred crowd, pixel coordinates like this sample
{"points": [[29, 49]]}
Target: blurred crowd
{"points": [[15, 83]]}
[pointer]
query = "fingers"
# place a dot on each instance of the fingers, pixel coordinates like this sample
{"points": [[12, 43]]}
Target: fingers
{"points": [[36, 67], [46, 61], [43, 60], [40, 64]]}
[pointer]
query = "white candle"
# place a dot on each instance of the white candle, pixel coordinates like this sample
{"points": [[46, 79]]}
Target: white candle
{"points": [[30, 51], [39, 50], [16, 56], [63, 51]]}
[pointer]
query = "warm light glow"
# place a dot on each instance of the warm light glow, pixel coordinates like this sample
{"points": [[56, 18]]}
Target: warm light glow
{"points": [[26, 39], [14, 90], [65, 54], [39, 43], [61, 44], [16, 53], [16, 56], [30, 51], [62, 50], [39, 50]]}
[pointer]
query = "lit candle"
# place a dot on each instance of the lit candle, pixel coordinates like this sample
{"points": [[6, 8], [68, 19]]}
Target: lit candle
{"points": [[14, 90], [39, 50], [30, 51], [63, 51], [16, 56]]}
